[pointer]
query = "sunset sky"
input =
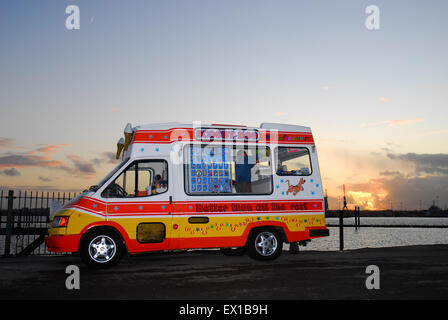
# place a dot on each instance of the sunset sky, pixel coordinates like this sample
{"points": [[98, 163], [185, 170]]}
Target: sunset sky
{"points": [[376, 100]]}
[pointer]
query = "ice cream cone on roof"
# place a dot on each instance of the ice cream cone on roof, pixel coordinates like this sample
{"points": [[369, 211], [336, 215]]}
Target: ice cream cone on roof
{"points": [[127, 135], [120, 146]]}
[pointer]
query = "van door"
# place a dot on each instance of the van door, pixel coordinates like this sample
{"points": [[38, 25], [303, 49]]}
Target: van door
{"points": [[139, 201]]}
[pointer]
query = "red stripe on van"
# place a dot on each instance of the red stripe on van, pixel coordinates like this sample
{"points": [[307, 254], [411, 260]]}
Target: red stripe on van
{"points": [[186, 134]]}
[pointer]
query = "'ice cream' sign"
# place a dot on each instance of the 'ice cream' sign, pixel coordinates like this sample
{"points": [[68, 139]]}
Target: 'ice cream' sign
{"points": [[211, 134]]}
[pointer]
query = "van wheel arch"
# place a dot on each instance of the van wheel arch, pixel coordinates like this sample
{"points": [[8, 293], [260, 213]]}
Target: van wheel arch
{"points": [[110, 229], [279, 230]]}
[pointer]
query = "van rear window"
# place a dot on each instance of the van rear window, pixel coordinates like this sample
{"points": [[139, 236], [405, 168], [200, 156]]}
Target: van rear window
{"points": [[293, 161]]}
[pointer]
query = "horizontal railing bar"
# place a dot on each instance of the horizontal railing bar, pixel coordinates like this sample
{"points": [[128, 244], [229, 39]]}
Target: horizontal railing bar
{"points": [[25, 231]]}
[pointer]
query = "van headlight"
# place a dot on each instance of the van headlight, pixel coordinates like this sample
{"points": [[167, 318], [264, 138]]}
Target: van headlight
{"points": [[60, 222]]}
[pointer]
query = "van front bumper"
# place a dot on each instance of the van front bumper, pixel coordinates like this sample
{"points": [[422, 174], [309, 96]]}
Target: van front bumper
{"points": [[63, 243]]}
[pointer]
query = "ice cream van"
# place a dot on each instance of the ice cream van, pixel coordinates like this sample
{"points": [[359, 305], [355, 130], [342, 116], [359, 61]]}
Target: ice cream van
{"points": [[183, 186]]}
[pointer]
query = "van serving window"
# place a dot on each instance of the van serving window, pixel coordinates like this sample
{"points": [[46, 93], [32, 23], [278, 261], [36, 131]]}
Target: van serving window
{"points": [[293, 161], [140, 179], [217, 169]]}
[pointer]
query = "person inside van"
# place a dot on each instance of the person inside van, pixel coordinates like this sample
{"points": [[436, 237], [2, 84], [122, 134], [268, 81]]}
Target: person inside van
{"points": [[243, 173], [157, 184]]}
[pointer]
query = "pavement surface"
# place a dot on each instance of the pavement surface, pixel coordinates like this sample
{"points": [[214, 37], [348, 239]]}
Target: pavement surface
{"points": [[415, 272]]}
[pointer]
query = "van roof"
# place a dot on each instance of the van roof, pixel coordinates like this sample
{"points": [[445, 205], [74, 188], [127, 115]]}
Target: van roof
{"points": [[264, 125]]}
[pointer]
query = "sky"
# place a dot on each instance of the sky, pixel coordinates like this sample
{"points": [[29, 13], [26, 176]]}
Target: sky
{"points": [[376, 100]]}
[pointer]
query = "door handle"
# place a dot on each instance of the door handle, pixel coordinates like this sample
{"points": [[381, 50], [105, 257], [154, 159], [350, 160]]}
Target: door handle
{"points": [[198, 220]]}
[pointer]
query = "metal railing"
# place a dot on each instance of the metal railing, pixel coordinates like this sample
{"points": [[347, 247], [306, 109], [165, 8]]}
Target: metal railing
{"points": [[24, 217]]}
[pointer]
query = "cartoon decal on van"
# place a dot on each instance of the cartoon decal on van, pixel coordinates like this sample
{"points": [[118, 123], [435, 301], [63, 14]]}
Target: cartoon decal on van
{"points": [[182, 186], [295, 189]]}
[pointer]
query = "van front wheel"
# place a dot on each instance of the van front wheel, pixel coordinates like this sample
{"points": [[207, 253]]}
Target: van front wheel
{"points": [[101, 249], [264, 244]]}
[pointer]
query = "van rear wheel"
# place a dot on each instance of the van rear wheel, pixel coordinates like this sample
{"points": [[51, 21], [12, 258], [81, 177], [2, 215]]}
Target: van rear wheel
{"points": [[101, 249], [264, 244]]}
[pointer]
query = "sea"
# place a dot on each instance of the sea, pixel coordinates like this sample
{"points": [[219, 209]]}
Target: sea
{"points": [[408, 232]]}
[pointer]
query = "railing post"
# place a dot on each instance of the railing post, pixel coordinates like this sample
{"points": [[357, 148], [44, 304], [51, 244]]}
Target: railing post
{"points": [[341, 230], [359, 219], [9, 222]]}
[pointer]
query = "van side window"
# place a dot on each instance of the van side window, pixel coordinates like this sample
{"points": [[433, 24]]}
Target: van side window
{"points": [[216, 169], [140, 179], [293, 161]]}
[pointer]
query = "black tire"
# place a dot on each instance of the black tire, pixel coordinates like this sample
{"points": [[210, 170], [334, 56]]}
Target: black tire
{"points": [[233, 251], [264, 244], [101, 248]]}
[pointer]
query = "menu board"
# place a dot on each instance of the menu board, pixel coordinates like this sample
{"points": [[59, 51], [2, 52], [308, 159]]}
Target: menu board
{"points": [[210, 170]]}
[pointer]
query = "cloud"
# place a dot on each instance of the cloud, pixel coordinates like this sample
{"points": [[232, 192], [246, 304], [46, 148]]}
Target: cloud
{"points": [[49, 149], [434, 164], [388, 173], [393, 123], [30, 159], [21, 160], [44, 179], [386, 149], [82, 166], [11, 172], [410, 191], [382, 99], [6, 143], [398, 192], [110, 156], [401, 180], [424, 179], [106, 157]]}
